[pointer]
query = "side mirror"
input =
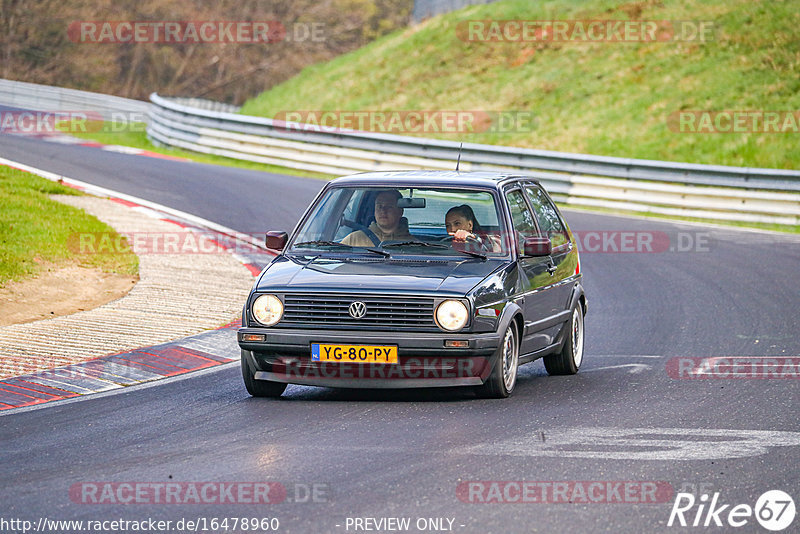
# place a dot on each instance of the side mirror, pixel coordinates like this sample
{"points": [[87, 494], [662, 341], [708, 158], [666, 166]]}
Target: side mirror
{"points": [[277, 240], [537, 246]]}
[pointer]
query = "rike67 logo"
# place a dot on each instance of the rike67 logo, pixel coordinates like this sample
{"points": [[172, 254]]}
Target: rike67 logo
{"points": [[774, 510]]}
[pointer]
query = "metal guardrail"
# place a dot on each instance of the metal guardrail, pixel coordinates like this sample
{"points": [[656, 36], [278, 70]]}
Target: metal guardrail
{"points": [[33, 96], [683, 189], [207, 105], [424, 9]]}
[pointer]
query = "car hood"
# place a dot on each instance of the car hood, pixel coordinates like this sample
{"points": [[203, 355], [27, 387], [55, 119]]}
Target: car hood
{"points": [[380, 274]]}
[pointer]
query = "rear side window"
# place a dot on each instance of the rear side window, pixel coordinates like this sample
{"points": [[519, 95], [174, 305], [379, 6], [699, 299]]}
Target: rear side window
{"points": [[548, 218]]}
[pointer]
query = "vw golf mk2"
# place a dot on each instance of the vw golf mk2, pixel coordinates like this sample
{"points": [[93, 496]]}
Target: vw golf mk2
{"points": [[417, 279]]}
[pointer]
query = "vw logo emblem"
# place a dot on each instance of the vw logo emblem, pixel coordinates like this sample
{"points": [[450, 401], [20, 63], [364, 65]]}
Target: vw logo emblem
{"points": [[357, 309]]}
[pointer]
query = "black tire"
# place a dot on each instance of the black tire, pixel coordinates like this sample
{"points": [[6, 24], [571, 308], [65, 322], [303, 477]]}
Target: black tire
{"points": [[569, 359], [503, 377], [259, 388]]}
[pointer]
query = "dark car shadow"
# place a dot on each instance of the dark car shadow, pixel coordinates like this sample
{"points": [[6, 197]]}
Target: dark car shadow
{"points": [[528, 374], [308, 393]]}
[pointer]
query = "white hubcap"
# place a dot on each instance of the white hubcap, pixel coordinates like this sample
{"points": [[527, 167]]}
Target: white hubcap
{"points": [[510, 355], [577, 336]]}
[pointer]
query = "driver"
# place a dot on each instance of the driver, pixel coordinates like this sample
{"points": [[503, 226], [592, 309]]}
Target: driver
{"points": [[461, 223], [389, 224]]}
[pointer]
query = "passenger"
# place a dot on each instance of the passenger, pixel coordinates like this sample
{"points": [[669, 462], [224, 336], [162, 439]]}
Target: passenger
{"points": [[461, 223], [389, 224]]}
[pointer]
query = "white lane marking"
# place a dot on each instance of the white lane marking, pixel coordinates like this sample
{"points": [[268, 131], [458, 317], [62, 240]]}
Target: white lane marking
{"points": [[123, 149], [764, 336], [662, 444], [102, 191], [147, 212], [652, 356], [635, 368], [62, 139]]}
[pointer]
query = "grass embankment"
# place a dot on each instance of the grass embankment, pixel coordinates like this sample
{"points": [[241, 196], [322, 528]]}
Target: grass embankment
{"points": [[608, 98], [36, 230]]}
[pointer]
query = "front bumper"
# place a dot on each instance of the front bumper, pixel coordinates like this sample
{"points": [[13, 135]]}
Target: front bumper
{"points": [[423, 360]]}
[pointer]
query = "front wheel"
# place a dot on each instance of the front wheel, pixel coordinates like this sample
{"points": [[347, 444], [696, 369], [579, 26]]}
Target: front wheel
{"points": [[259, 388], [568, 360], [503, 377]]}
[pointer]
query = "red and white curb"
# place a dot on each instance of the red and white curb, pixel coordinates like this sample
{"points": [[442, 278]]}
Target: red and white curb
{"points": [[63, 139], [202, 351]]}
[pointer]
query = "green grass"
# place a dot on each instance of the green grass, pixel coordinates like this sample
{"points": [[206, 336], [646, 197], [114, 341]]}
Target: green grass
{"points": [[136, 137], [596, 98], [36, 230]]}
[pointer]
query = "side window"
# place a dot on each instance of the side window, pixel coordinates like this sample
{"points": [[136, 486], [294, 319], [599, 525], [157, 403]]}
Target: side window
{"points": [[521, 217], [547, 216]]}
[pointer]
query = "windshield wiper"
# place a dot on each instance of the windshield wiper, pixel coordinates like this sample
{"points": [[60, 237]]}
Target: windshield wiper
{"points": [[321, 243], [435, 245], [415, 243], [470, 253]]}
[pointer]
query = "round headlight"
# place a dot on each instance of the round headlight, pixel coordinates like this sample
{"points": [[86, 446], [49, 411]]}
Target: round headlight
{"points": [[452, 315], [268, 309]]}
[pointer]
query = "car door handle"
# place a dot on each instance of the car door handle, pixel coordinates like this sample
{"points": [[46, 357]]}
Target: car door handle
{"points": [[551, 268]]}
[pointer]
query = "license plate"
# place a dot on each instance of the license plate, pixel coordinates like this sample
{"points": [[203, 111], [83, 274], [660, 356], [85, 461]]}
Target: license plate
{"points": [[321, 352]]}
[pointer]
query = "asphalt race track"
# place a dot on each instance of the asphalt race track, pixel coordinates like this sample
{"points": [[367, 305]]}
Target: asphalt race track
{"points": [[626, 417]]}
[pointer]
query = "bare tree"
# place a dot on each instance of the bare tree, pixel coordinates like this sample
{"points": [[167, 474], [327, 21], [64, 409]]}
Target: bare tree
{"points": [[36, 46]]}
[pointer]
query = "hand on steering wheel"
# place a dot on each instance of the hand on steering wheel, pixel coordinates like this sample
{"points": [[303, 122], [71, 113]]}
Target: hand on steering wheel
{"points": [[462, 238]]}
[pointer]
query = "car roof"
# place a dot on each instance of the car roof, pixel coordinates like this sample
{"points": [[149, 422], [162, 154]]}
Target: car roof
{"points": [[416, 178]]}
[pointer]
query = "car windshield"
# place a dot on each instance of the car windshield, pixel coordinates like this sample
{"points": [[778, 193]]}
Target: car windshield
{"points": [[419, 221]]}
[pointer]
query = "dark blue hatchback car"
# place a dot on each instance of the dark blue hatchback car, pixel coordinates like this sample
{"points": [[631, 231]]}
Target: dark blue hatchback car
{"points": [[417, 279]]}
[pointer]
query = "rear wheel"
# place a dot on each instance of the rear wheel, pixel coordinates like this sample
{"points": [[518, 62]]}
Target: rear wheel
{"points": [[568, 360], [259, 388], [503, 377]]}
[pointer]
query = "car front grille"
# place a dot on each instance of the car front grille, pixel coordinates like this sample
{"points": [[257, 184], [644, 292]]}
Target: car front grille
{"points": [[315, 310]]}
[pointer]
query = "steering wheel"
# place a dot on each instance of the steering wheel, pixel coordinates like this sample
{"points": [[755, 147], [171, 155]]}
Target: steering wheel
{"points": [[358, 226], [470, 239]]}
